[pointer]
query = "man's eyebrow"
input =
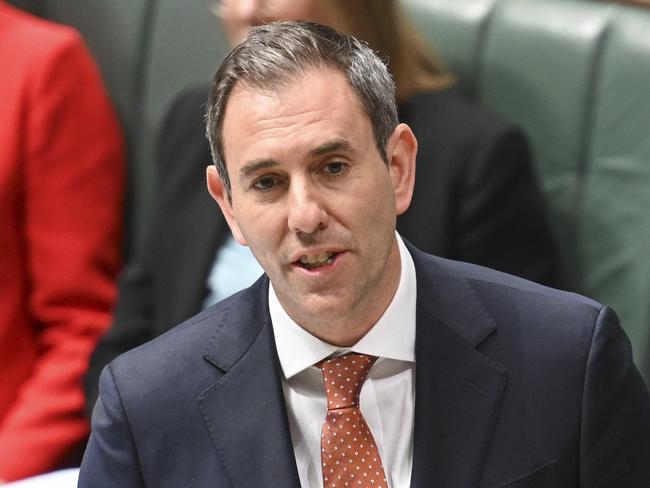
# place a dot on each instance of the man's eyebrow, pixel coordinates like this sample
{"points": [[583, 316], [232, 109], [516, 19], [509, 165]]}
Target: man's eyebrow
{"points": [[332, 146], [257, 164]]}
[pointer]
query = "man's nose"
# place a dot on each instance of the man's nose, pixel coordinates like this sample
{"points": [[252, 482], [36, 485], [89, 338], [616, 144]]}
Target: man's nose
{"points": [[306, 213]]}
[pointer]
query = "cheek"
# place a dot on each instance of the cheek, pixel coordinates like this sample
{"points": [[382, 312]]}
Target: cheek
{"points": [[379, 192], [267, 250], [370, 207], [263, 229]]}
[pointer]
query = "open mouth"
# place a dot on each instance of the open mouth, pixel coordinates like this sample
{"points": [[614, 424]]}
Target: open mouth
{"points": [[317, 260]]}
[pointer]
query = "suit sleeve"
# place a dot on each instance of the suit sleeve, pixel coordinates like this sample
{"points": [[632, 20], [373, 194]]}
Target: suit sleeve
{"points": [[73, 181], [615, 441], [111, 458], [502, 220]]}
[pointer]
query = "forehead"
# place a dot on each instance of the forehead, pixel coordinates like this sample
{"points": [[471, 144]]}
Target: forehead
{"points": [[319, 104]]}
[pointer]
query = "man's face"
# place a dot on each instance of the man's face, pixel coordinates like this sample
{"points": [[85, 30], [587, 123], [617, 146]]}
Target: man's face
{"points": [[315, 202]]}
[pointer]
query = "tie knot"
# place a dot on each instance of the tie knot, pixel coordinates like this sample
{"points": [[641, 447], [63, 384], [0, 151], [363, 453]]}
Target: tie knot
{"points": [[344, 377]]}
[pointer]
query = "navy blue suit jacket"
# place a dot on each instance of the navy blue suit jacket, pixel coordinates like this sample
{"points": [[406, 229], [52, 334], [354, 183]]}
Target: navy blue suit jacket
{"points": [[517, 385]]}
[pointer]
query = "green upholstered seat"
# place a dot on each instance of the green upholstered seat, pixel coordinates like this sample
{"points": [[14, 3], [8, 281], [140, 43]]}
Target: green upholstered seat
{"points": [[614, 216], [538, 66], [576, 76], [458, 32]]}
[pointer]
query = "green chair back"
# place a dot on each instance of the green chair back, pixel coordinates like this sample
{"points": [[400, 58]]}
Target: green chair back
{"points": [[576, 76]]}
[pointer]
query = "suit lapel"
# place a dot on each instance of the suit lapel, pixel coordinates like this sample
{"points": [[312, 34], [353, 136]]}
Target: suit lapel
{"points": [[458, 389], [244, 410]]}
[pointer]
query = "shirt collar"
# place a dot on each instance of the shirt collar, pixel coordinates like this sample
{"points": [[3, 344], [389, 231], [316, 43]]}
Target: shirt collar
{"points": [[392, 337]]}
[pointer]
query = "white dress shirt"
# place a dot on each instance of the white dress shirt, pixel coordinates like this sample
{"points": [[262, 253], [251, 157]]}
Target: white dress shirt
{"points": [[388, 395]]}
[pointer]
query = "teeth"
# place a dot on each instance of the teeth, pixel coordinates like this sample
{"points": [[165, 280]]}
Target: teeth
{"points": [[313, 261]]}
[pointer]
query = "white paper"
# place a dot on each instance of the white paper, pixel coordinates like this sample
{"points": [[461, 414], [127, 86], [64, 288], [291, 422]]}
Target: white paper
{"points": [[66, 478]]}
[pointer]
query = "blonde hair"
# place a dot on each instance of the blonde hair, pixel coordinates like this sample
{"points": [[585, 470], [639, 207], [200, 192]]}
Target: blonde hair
{"points": [[385, 27]]}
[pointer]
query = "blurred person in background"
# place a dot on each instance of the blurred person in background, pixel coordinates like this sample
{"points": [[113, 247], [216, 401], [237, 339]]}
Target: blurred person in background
{"points": [[476, 196], [61, 180]]}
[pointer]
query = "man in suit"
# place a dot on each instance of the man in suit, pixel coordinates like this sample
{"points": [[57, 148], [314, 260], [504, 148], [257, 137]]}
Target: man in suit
{"points": [[463, 376]]}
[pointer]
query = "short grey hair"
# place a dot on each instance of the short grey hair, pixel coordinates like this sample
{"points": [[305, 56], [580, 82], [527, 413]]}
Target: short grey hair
{"points": [[277, 54]]}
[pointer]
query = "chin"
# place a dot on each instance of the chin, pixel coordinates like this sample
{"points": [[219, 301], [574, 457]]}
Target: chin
{"points": [[320, 308]]}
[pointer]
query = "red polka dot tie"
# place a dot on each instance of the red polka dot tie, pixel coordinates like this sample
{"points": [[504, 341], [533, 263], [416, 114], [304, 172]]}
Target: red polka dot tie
{"points": [[349, 455]]}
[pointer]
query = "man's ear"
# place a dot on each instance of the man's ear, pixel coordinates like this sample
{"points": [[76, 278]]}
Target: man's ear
{"points": [[218, 191], [402, 151]]}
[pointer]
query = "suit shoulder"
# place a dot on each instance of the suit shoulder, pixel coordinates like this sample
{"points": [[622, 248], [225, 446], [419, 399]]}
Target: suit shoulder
{"points": [[505, 284], [183, 348], [516, 299], [179, 347], [511, 320]]}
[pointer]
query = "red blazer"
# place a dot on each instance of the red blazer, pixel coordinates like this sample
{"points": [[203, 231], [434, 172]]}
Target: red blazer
{"points": [[61, 181]]}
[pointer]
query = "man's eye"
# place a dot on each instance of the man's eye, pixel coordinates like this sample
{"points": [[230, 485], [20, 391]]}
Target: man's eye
{"points": [[265, 183], [334, 168]]}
